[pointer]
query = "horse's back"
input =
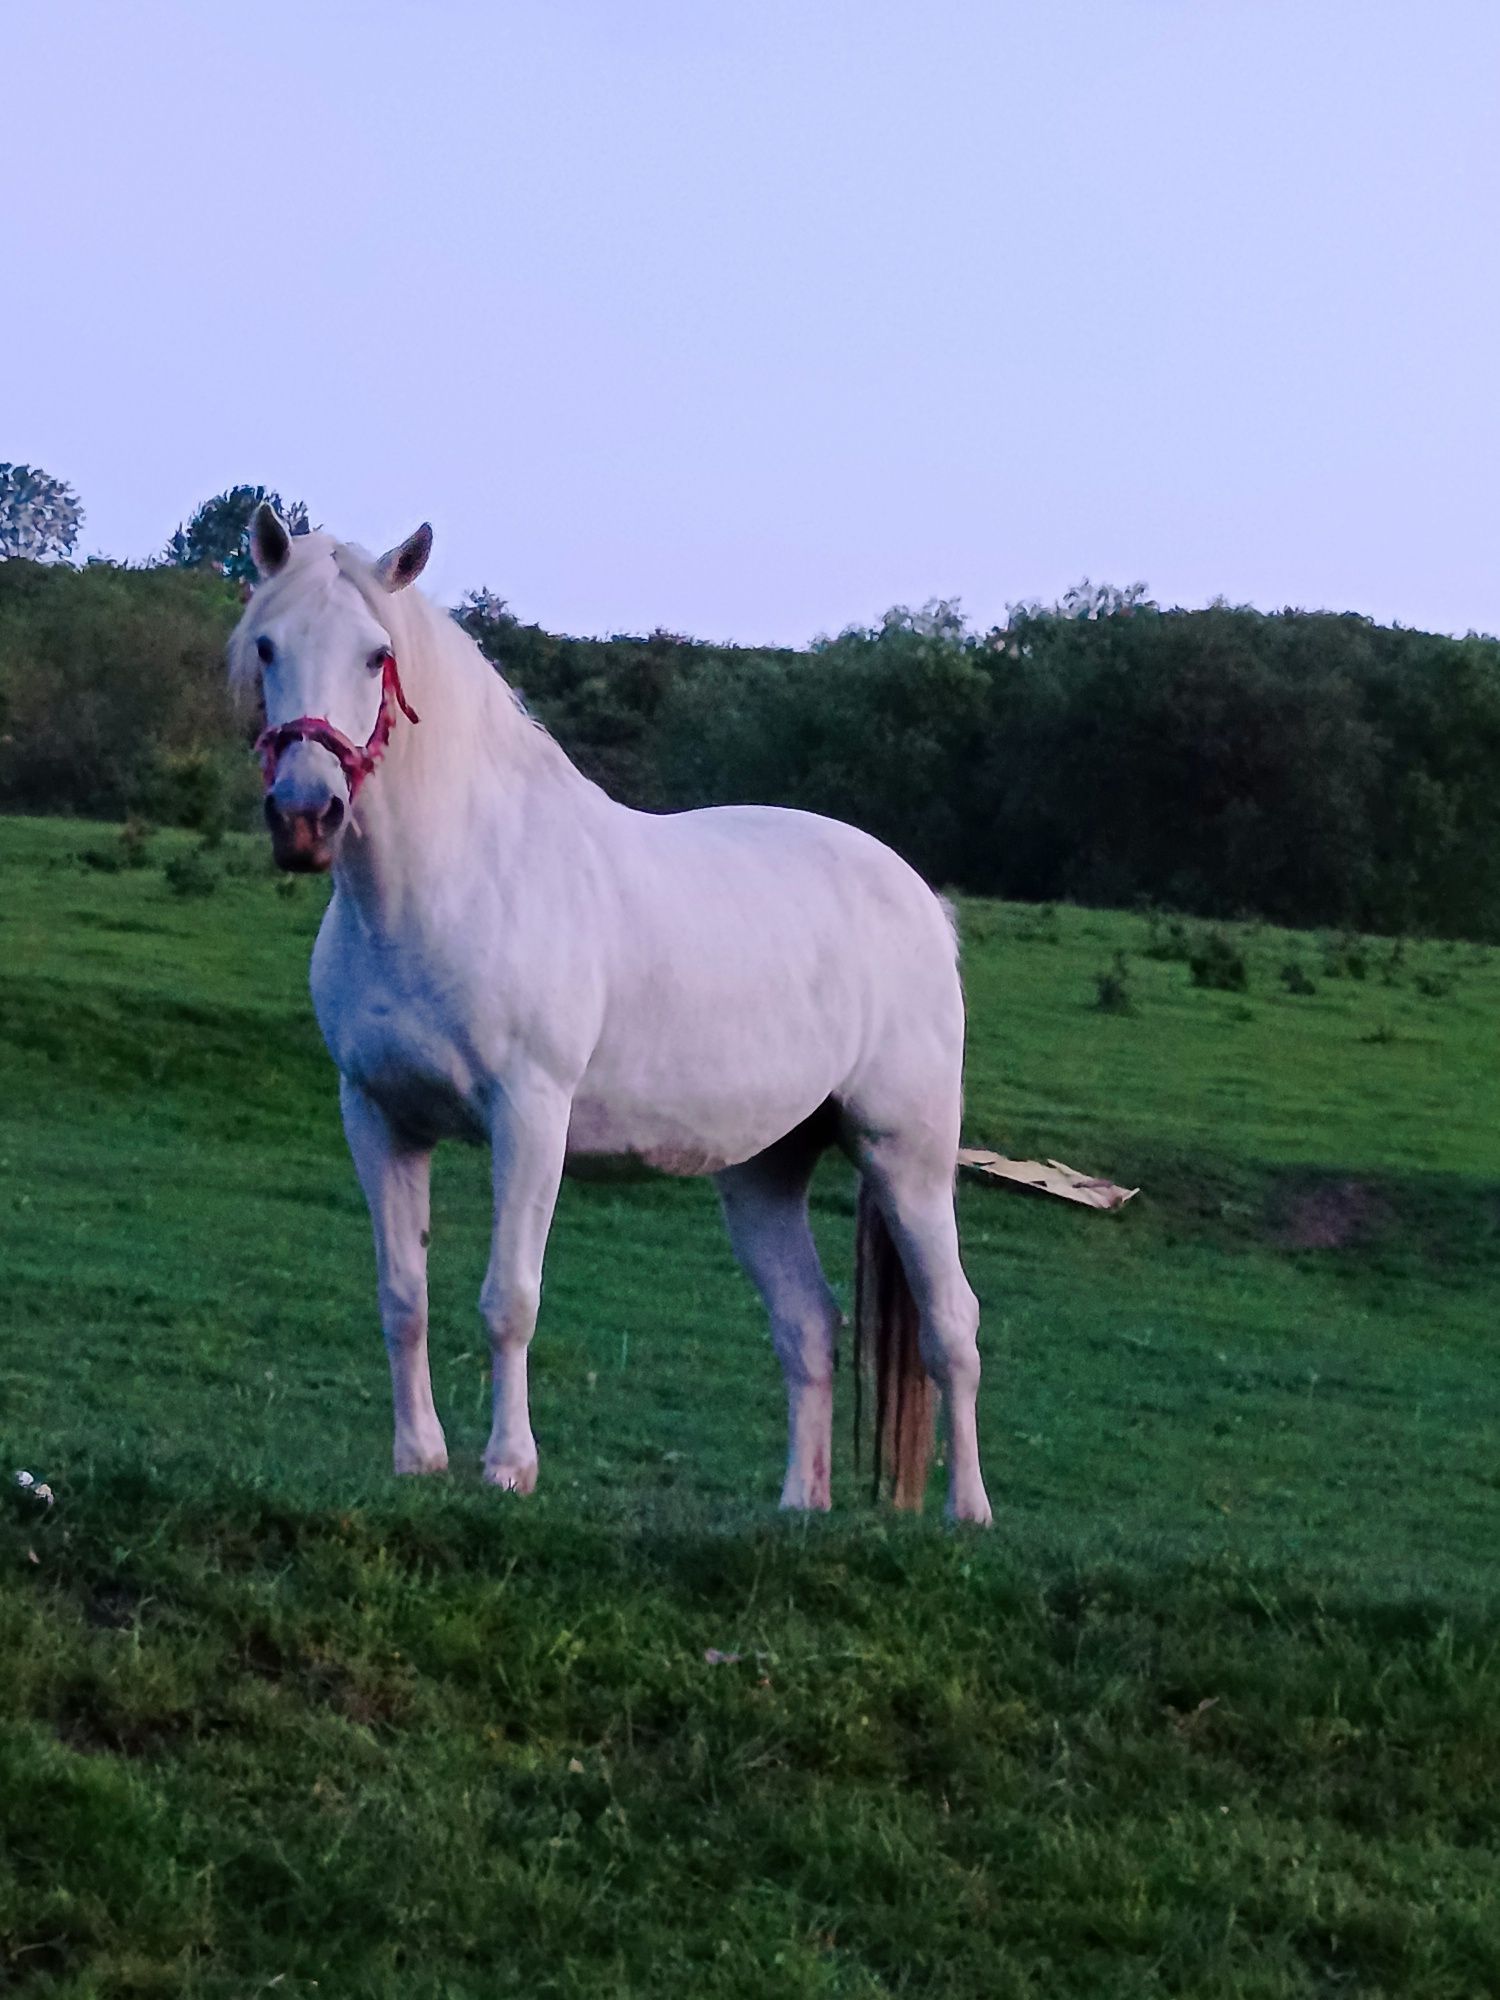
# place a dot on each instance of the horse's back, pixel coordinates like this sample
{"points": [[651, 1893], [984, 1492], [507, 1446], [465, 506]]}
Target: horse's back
{"points": [[809, 870]]}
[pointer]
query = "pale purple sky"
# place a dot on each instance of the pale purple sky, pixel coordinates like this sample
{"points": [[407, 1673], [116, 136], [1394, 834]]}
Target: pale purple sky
{"points": [[752, 317]]}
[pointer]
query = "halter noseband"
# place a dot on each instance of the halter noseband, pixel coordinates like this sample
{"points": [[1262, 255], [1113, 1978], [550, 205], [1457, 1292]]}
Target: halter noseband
{"points": [[356, 764]]}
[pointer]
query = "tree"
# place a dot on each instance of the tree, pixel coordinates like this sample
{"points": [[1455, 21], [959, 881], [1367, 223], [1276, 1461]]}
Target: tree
{"points": [[1085, 601], [39, 516], [216, 536], [483, 612], [939, 618]]}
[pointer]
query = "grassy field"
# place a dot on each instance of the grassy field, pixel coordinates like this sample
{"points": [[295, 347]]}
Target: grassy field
{"points": [[1214, 1711]]}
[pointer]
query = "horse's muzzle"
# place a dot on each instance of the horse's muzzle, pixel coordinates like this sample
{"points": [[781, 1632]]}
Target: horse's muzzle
{"points": [[303, 840]]}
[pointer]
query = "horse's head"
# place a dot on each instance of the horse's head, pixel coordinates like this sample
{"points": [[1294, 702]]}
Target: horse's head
{"points": [[328, 678]]}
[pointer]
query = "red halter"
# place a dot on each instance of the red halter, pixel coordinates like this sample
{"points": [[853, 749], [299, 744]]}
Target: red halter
{"points": [[355, 763]]}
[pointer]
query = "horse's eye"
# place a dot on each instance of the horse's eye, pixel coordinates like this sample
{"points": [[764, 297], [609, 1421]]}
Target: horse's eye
{"points": [[266, 650], [378, 658]]}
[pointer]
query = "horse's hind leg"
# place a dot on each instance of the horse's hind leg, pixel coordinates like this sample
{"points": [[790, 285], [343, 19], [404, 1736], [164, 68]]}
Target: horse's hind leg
{"points": [[912, 1180], [765, 1211]]}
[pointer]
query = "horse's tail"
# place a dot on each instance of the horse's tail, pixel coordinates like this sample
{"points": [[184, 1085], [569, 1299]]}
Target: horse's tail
{"points": [[886, 1347]]}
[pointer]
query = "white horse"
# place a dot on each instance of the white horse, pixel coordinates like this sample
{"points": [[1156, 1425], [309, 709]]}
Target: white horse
{"points": [[512, 956]]}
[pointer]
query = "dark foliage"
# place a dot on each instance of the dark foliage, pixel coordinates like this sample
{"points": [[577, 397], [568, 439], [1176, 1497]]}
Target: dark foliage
{"points": [[1308, 768], [609, 701], [1112, 987], [1217, 962], [112, 694]]}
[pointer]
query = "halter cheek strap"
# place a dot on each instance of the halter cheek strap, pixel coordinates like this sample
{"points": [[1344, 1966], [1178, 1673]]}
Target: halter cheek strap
{"points": [[355, 763]]}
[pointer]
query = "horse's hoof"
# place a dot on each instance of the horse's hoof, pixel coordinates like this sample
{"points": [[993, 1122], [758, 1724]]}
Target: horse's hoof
{"points": [[512, 1478], [973, 1508], [417, 1464]]}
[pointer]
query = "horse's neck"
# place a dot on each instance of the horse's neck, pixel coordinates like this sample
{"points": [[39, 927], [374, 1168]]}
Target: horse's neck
{"points": [[451, 798]]}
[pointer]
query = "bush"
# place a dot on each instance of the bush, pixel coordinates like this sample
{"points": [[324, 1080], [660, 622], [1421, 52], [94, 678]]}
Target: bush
{"points": [[191, 874], [1112, 988], [1345, 957], [206, 790], [1216, 962], [1295, 979], [1166, 937], [135, 842], [1039, 926], [103, 860]]}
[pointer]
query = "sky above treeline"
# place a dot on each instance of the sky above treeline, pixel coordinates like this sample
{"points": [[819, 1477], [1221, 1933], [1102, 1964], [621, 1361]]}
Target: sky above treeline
{"points": [[751, 319]]}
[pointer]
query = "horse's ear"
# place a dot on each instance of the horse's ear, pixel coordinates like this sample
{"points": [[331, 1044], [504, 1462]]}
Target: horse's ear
{"points": [[270, 544], [404, 564]]}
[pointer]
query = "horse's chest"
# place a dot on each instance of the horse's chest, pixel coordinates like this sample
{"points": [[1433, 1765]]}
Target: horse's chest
{"points": [[400, 1050]]}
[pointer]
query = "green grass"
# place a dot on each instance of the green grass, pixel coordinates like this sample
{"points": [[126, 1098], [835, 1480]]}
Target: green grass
{"points": [[1215, 1711]]}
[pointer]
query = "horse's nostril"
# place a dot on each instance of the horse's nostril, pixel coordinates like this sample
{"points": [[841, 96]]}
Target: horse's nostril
{"points": [[332, 816]]}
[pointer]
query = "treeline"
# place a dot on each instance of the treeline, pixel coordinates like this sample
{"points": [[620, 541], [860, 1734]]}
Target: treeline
{"points": [[1307, 767]]}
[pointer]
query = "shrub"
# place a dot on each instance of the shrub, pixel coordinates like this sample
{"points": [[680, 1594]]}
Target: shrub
{"points": [[1039, 926], [135, 840], [1217, 962], [1295, 979], [1112, 988], [191, 874], [1345, 957], [1166, 937], [197, 789]]}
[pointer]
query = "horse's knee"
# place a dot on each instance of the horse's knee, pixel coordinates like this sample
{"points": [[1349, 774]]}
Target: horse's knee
{"points": [[510, 1312], [403, 1316]]}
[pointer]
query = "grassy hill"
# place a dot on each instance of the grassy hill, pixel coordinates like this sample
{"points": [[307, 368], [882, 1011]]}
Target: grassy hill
{"points": [[1214, 1711]]}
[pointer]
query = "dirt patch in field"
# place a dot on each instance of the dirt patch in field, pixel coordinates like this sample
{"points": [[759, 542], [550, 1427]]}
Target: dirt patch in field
{"points": [[1330, 1215]]}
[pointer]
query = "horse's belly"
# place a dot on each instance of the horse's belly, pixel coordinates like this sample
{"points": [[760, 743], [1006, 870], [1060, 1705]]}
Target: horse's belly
{"points": [[605, 1138], [681, 1124]]}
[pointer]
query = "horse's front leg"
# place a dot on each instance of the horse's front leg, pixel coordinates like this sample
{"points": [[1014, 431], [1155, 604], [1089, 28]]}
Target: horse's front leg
{"points": [[396, 1177], [529, 1134]]}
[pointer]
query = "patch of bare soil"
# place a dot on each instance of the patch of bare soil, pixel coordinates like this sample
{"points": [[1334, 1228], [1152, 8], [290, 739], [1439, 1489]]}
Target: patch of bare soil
{"points": [[1330, 1215]]}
